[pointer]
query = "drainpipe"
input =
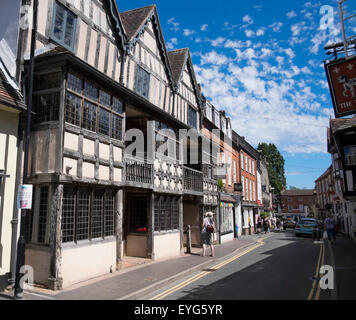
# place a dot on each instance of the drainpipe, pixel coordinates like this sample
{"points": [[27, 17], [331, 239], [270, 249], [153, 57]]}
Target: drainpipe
{"points": [[21, 248]]}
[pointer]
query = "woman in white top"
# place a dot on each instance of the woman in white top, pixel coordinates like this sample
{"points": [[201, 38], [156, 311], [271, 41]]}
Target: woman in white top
{"points": [[207, 233]]}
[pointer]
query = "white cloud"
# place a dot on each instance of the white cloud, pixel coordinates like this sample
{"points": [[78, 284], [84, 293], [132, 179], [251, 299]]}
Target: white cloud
{"points": [[247, 19], [260, 32], [188, 32], [249, 33], [217, 42], [174, 24], [172, 43], [276, 26], [291, 14], [204, 27], [213, 58]]}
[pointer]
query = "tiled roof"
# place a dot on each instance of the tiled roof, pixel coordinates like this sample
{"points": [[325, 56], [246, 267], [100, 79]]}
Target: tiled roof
{"points": [[305, 192], [8, 95], [177, 60], [132, 20]]}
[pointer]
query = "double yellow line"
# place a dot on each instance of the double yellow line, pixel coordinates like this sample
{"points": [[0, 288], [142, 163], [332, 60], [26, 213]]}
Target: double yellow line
{"points": [[317, 275], [205, 273]]}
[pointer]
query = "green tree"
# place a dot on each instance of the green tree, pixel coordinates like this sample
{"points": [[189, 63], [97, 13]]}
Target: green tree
{"points": [[293, 188], [275, 165]]}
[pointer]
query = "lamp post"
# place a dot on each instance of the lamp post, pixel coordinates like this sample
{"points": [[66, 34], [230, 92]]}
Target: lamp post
{"points": [[21, 246]]}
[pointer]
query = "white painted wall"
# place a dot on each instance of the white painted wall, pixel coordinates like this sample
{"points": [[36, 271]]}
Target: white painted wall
{"points": [[82, 263], [8, 162], [167, 245]]}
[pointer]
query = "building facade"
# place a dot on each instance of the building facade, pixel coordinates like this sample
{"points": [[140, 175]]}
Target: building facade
{"points": [[298, 202], [341, 146], [11, 106], [118, 151]]}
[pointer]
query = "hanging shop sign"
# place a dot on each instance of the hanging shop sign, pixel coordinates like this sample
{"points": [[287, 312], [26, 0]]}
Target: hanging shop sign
{"points": [[342, 83]]}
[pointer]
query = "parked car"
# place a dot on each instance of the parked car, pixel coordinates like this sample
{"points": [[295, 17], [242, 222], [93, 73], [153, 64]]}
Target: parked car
{"points": [[289, 224], [305, 226]]}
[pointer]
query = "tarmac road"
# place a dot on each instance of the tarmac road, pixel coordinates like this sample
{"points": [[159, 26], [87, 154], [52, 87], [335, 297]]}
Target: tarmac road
{"points": [[282, 267]]}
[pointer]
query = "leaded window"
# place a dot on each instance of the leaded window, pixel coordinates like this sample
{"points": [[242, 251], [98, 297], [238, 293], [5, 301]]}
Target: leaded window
{"points": [[89, 116], [109, 214], [105, 99], [73, 107], [46, 107], [68, 215], [90, 91], [166, 213], [83, 215], [142, 82], [64, 26], [42, 215], [104, 122], [87, 214], [97, 215], [92, 108], [192, 117], [75, 83]]}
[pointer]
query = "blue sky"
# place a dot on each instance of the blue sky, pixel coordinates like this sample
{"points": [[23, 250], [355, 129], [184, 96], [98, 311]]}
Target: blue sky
{"points": [[262, 62]]}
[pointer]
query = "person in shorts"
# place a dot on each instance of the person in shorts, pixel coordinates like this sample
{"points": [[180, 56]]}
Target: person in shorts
{"points": [[330, 225], [207, 235]]}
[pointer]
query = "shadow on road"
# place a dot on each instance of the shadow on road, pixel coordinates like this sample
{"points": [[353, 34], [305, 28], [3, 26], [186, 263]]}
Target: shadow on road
{"points": [[280, 273]]}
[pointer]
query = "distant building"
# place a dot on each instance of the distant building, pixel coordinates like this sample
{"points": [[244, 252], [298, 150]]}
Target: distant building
{"points": [[298, 202], [325, 190]]}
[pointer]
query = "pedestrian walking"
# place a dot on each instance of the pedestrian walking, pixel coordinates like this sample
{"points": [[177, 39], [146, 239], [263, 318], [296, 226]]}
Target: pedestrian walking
{"points": [[330, 226], [207, 233], [265, 225]]}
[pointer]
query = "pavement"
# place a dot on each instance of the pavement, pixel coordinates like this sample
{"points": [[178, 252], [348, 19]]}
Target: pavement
{"points": [[136, 282]]}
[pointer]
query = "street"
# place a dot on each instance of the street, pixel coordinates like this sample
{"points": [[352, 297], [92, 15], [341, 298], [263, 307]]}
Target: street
{"points": [[282, 267]]}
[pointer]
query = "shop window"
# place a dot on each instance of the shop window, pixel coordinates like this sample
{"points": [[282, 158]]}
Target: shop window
{"points": [[68, 215], [64, 26], [42, 215], [166, 214], [109, 214], [97, 215], [83, 215], [87, 214]]}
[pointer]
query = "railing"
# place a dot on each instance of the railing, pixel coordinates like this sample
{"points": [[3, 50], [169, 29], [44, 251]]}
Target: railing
{"points": [[139, 172], [193, 180]]}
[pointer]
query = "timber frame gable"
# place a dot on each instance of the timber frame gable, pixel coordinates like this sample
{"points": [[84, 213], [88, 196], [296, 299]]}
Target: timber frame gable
{"points": [[134, 36], [115, 15], [189, 65]]}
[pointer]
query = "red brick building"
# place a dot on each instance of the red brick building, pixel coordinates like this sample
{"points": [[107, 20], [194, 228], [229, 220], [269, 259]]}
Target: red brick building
{"points": [[298, 202]]}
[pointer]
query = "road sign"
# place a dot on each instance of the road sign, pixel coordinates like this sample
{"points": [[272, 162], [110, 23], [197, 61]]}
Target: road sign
{"points": [[24, 197], [341, 76]]}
